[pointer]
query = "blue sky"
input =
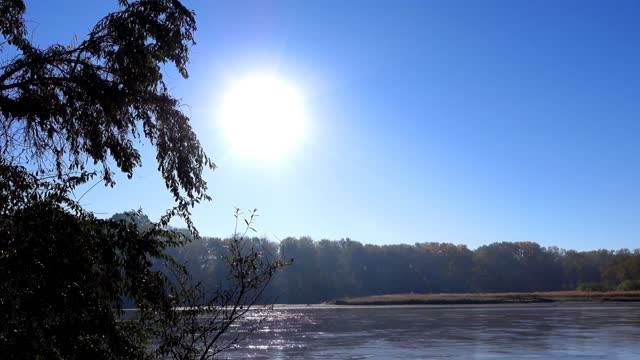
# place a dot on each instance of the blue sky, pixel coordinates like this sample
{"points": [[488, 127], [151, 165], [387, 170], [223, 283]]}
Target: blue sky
{"points": [[464, 122]]}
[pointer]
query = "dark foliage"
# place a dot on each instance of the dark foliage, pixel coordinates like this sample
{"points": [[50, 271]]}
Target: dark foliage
{"points": [[71, 112], [66, 275]]}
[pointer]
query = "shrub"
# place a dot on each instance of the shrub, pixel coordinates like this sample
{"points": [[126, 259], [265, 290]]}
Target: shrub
{"points": [[591, 287], [629, 285]]}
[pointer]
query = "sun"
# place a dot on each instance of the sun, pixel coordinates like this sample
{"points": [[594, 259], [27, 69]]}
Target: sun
{"points": [[262, 116]]}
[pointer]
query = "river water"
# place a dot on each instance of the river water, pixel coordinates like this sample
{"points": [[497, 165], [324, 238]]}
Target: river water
{"points": [[543, 331]]}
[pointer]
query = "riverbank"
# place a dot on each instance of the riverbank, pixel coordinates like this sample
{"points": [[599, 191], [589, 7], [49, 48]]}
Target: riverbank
{"points": [[492, 298]]}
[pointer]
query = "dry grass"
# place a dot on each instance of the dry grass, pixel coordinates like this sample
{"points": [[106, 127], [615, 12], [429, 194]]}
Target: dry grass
{"points": [[489, 298]]}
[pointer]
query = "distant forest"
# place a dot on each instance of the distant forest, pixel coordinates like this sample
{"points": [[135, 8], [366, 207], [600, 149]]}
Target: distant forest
{"points": [[326, 269]]}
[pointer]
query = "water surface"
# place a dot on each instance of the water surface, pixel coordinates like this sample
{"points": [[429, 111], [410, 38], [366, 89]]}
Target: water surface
{"points": [[540, 331]]}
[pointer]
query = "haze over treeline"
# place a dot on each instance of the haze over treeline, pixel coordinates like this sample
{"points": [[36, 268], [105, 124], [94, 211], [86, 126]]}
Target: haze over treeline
{"points": [[329, 269]]}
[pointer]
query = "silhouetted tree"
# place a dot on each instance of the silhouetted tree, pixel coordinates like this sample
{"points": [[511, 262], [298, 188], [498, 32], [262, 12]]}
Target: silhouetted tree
{"points": [[71, 114]]}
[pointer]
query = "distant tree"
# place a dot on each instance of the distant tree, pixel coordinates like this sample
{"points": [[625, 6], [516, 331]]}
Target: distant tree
{"points": [[624, 265], [300, 280], [329, 269], [578, 268], [71, 115]]}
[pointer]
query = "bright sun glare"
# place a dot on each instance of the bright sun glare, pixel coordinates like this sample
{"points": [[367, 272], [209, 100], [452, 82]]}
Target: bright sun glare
{"points": [[262, 116]]}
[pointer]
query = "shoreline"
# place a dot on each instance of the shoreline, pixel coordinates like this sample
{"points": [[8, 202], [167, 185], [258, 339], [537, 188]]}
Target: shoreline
{"points": [[550, 297]]}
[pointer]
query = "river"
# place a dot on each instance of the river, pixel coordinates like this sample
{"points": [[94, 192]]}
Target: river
{"points": [[541, 331]]}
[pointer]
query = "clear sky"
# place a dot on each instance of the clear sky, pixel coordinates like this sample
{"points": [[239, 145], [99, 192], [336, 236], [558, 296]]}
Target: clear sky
{"points": [[466, 122]]}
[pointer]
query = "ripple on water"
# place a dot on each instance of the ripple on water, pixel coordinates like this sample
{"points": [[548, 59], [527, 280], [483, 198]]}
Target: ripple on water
{"points": [[467, 333]]}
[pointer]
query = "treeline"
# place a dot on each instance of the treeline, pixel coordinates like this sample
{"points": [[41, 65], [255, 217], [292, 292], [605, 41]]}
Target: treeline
{"points": [[324, 270]]}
